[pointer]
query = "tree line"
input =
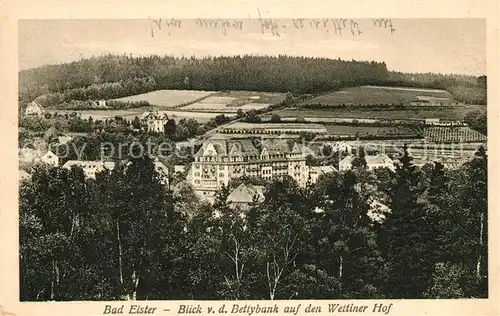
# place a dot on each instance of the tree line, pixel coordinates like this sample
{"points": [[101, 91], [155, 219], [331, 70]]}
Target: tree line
{"points": [[124, 235], [113, 76]]}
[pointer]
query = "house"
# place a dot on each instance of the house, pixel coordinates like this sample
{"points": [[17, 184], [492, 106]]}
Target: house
{"points": [[222, 158], [316, 171], [33, 109], [155, 121], [101, 103], [90, 168], [50, 158], [372, 162], [245, 194]]}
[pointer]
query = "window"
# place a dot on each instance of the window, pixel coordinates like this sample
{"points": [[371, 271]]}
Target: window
{"points": [[197, 174], [197, 181], [221, 167], [221, 174]]}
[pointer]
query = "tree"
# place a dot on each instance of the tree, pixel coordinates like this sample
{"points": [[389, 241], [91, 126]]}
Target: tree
{"points": [[170, 128], [360, 160], [279, 228], [240, 114], [252, 117], [53, 212], [347, 248], [275, 118], [473, 199], [446, 282], [407, 238]]}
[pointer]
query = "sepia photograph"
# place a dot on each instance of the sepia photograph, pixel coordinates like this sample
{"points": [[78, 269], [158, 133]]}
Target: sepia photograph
{"points": [[252, 158]]}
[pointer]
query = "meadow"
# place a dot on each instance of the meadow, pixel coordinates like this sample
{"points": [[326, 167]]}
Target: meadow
{"points": [[168, 98], [372, 95]]}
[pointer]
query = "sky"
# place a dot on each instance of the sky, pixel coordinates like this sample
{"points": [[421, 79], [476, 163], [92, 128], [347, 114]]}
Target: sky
{"points": [[411, 45]]}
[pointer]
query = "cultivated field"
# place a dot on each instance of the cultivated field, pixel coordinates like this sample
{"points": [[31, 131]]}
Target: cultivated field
{"points": [[370, 95], [231, 102], [169, 98], [313, 115], [383, 131], [456, 134]]}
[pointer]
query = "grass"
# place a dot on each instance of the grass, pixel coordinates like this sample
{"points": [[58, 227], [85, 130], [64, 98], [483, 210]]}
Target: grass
{"points": [[369, 95], [168, 98]]}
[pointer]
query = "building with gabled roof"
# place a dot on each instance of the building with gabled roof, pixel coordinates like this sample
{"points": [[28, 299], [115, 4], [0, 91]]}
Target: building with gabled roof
{"points": [[372, 162], [245, 194], [90, 168], [316, 171], [50, 158], [222, 158], [33, 109], [155, 120]]}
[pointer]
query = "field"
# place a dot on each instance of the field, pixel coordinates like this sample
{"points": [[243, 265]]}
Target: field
{"points": [[370, 95], [453, 134], [312, 115], [132, 113], [168, 98], [386, 131], [231, 102]]}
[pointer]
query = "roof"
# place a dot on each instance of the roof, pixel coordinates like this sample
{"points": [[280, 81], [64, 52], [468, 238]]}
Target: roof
{"points": [[245, 193], [248, 146], [33, 104], [378, 159], [87, 163], [322, 169], [295, 127], [154, 115], [23, 175], [370, 159], [49, 154]]}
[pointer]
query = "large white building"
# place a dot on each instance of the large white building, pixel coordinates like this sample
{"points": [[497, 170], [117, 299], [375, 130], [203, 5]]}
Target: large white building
{"points": [[222, 158]]}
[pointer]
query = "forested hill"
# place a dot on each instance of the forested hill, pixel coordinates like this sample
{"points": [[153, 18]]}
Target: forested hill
{"points": [[111, 76], [258, 73]]}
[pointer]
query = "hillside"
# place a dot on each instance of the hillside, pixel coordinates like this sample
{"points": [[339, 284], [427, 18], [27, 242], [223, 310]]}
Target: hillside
{"points": [[111, 76]]}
